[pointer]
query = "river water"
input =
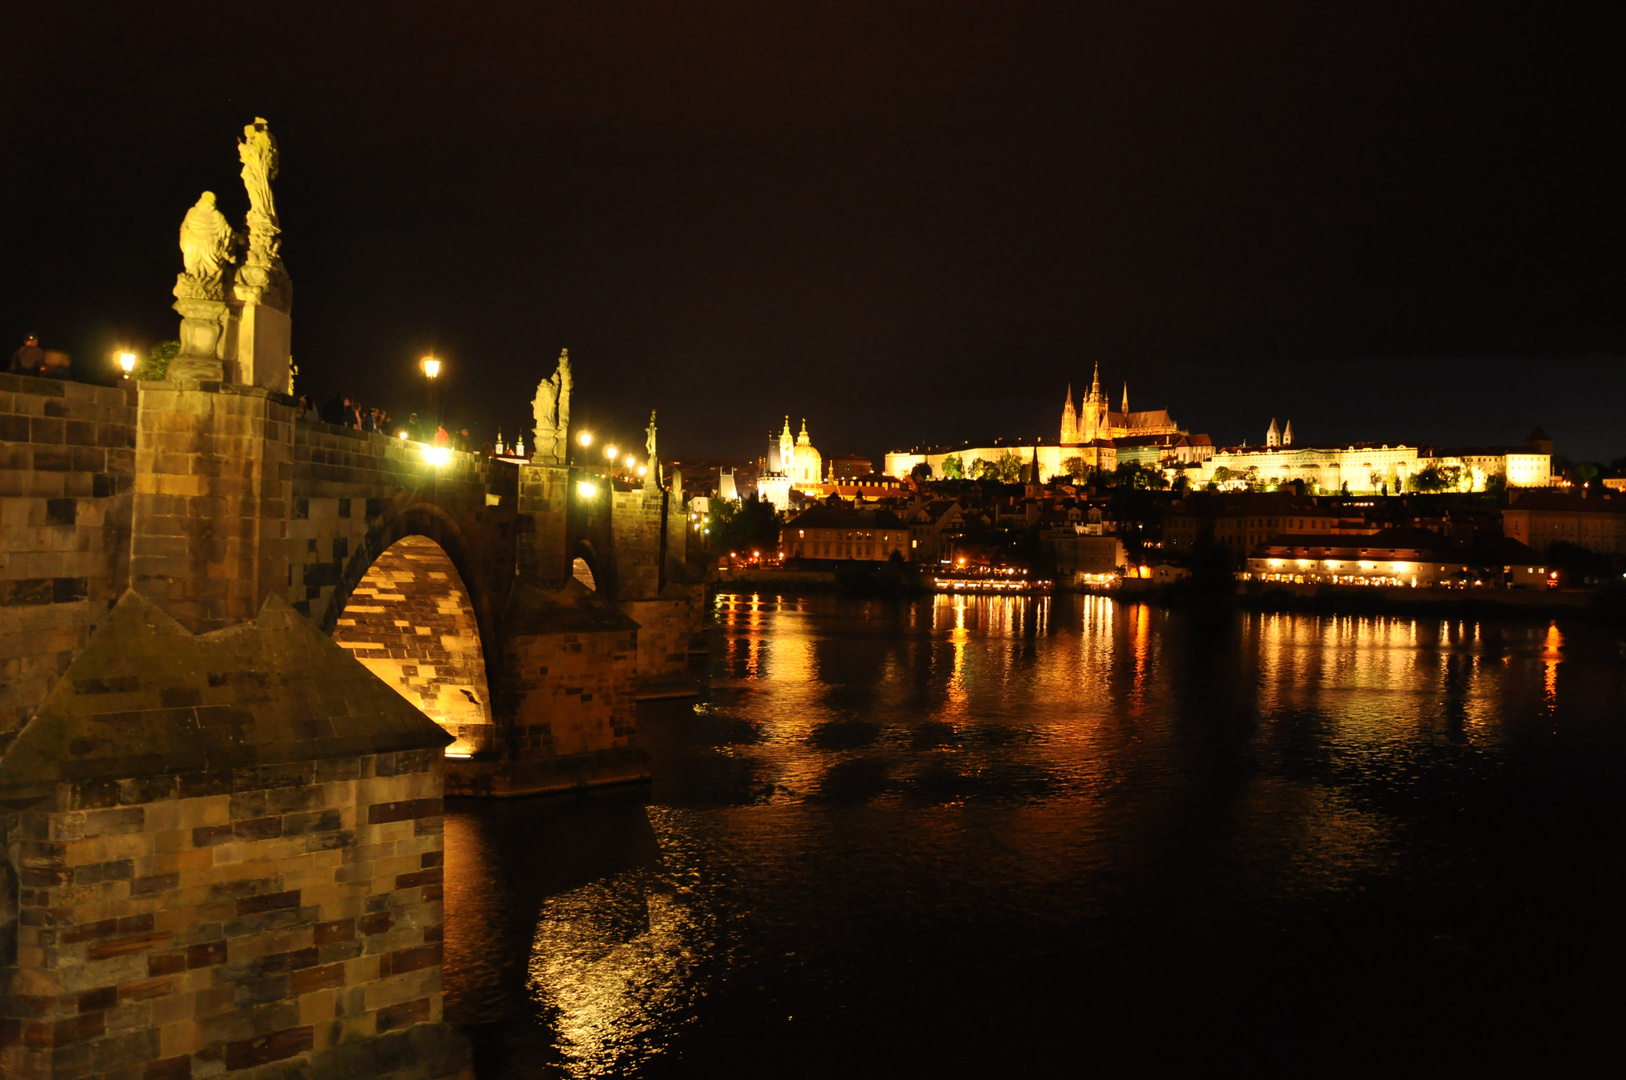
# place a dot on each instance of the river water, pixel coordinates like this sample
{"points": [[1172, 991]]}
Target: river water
{"points": [[998, 836]]}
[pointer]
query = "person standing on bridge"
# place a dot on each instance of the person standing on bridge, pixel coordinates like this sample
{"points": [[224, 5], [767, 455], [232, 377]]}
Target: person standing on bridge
{"points": [[29, 359]]}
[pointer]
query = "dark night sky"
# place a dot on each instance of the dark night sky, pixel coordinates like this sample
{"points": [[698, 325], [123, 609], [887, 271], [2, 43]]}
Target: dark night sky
{"points": [[903, 221]]}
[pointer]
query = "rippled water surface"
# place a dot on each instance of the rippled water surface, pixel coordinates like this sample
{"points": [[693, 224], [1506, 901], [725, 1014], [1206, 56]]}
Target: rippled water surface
{"points": [[993, 835]]}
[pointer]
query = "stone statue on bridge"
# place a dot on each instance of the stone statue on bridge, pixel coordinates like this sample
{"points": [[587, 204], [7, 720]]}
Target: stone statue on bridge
{"points": [[262, 279], [207, 245], [550, 410], [257, 150], [652, 470]]}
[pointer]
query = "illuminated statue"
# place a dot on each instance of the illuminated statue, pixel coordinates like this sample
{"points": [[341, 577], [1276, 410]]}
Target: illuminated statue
{"points": [[207, 241], [550, 410], [258, 152], [563, 375], [652, 475], [262, 279]]}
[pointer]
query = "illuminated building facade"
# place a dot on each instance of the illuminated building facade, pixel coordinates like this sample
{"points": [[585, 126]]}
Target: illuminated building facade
{"points": [[792, 463], [1407, 557], [1365, 467], [831, 531]]}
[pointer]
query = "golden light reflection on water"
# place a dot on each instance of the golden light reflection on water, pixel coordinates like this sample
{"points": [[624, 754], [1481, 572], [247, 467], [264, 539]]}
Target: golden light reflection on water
{"points": [[619, 963], [1551, 656], [963, 760]]}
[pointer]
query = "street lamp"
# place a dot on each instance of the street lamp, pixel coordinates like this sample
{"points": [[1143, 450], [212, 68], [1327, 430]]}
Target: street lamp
{"points": [[127, 361], [631, 461], [609, 453], [586, 438], [431, 369]]}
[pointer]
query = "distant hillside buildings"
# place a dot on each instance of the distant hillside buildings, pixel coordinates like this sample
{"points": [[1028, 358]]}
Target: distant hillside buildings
{"points": [[1094, 438]]}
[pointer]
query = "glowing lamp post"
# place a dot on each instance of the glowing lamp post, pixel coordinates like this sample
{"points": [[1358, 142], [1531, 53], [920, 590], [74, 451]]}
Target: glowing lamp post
{"points": [[127, 361], [431, 371]]}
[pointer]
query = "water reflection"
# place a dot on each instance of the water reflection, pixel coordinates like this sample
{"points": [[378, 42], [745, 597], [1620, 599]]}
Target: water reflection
{"points": [[875, 801], [618, 964]]}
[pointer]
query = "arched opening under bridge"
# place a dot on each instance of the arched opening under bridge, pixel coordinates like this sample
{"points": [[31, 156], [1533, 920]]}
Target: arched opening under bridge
{"points": [[583, 573], [410, 621], [583, 567]]}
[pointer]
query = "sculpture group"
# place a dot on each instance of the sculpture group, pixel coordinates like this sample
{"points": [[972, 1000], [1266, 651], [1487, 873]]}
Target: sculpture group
{"points": [[550, 412], [242, 333]]}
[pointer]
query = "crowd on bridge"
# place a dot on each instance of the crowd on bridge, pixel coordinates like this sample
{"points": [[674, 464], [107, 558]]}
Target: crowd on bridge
{"points": [[344, 411]]}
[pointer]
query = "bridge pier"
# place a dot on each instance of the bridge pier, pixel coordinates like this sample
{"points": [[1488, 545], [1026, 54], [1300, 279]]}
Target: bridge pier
{"points": [[222, 852], [213, 493]]}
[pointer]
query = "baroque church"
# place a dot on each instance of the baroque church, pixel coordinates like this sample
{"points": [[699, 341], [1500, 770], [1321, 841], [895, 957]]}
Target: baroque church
{"points": [[793, 464]]}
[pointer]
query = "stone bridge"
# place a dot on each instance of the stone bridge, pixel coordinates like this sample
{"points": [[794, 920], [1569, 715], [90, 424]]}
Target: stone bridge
{"points": [[450, 576], [220, 834]]}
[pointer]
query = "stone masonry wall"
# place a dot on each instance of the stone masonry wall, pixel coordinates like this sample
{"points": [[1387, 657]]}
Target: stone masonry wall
{"points": [[677, 536], [67, 459], [543, 506], [576, 692], [217, 923], [635, 530], [214, 477], [665, 628], [410, 623]]}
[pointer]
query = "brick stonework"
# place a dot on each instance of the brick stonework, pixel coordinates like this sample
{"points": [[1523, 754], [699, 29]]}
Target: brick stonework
{"points": [[214, 480], [67, 459], [213, 874]]}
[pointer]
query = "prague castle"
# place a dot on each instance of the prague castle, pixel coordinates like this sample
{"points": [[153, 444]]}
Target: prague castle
{"points": [[1092, 438], [1091, 421]]}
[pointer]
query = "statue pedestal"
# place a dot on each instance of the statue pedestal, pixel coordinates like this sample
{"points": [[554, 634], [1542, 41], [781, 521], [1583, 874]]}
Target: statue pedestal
{"points": [[264, 335], [203, 325], [213, 495]]}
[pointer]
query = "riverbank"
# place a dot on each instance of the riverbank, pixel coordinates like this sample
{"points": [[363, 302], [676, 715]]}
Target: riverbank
{"points": [[1389, 600], [1309, 599]]}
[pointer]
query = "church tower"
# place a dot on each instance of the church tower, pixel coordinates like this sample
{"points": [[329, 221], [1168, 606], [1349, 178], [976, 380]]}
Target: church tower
{"points": [[1092, 421], [1126, 404], [1069, 420], [1273, 437], [1287, 434], [787, 449]]}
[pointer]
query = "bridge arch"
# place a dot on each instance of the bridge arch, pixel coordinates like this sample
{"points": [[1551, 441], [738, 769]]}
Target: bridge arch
{"points": [[410, 621], [413, 608]]}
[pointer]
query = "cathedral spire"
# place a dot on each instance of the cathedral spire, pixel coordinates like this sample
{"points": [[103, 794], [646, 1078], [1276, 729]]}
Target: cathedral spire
{"points": [[1126, 399], [1095, 384]]}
